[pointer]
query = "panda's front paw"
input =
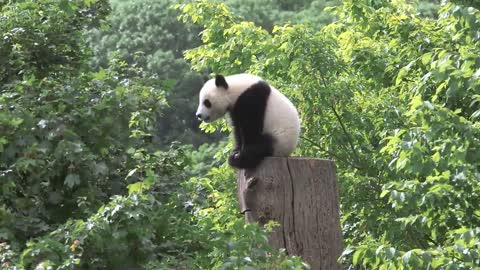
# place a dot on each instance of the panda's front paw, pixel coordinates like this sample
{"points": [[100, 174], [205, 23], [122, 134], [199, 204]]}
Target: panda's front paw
{"points": [[234, 159]]}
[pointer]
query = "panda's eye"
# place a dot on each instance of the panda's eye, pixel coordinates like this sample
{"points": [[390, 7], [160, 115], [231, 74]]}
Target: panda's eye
{"points": [[207, 103]]}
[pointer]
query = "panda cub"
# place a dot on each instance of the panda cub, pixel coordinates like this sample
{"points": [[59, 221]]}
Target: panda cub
{"points": [[265, 122]]}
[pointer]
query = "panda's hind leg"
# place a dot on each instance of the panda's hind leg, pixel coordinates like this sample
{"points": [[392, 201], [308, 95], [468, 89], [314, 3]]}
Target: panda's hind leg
{"points": [[251, 155]]}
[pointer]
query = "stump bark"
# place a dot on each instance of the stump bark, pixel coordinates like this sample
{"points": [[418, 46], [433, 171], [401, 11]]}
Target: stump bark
{"points": [[302, 195]]}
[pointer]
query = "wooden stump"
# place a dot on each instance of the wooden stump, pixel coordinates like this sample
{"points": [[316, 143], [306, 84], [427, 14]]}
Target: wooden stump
{"points": [[302, 195]]}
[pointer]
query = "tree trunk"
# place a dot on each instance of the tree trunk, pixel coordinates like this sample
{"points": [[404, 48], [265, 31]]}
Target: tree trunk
{"points": [[302, 195]]}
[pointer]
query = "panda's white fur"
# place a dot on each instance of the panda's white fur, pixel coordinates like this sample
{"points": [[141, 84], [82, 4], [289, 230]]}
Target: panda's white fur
{"points": [[280, 120]]}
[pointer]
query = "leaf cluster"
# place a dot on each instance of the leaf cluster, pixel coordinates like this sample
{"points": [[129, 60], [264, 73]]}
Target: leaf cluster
{"points": [[65, 132]]}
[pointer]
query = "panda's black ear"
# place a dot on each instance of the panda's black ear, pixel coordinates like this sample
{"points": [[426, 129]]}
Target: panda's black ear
{"points": [[220, 81]]}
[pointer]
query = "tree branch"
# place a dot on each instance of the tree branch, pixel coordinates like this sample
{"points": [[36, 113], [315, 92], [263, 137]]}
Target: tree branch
{"points": [[339, 119], [329, 152]]}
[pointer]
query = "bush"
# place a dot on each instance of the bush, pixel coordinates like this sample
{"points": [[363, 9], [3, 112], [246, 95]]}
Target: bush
{"points": [[68, 134]]}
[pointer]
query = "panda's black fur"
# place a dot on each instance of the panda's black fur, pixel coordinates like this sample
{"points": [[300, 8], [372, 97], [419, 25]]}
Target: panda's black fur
{"points": [[248, 114]]}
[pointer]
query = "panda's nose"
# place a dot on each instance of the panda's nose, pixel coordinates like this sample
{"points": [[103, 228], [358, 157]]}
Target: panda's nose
{"points": [[199, 116]]}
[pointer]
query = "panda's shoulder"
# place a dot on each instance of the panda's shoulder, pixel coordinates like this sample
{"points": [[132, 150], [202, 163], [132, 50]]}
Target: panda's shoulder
{"points": [[251, 102], [258, 89]]}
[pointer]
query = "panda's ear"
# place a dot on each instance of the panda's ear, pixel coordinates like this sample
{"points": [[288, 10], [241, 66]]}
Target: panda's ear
{"points": [[221, 82]]}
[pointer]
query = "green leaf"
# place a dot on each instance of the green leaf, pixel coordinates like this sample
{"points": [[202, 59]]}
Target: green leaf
{"points": [[357, 256], [436, 157], [384, 193], [426, 58], [416, 102], [137, 187], [402, 73], [100, 75]]}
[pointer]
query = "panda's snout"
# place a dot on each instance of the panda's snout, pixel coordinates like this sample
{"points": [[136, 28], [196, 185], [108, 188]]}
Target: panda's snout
{"points": [[201, 117]]}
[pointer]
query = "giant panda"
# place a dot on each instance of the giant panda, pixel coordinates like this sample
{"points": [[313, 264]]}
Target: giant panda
{"points": [[265, 122]]}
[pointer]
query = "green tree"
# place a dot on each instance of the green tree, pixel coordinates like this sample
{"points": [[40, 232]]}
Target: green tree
{"points": [[150, 27], [394, 99], [267, 14], [68, 135]]}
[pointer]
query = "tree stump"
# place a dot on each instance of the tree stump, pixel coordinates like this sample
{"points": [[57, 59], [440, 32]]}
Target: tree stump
{"points": [[302, 195]]}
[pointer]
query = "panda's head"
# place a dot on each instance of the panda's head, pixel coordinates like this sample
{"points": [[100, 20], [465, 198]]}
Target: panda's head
{"points": [[214, 99]]}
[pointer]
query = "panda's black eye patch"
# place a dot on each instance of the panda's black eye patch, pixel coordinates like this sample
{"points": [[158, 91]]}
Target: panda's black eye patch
{"points": [[207, 103]]}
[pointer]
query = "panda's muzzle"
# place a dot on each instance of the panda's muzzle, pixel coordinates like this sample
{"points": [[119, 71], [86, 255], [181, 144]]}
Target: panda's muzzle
{"points": [[200, 117]]}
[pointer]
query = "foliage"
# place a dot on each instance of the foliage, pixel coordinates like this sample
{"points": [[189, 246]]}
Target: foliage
{"points": [[268, 13], [83, 185], [205, 157], [198, 230], [394, 99], [35, 43], [150, 28], [68, 136], [228, 242], [428, 8], [147, 26], [392, 96]]}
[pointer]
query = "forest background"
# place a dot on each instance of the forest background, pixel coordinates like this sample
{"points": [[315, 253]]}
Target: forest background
{"points": [[103, 165]]}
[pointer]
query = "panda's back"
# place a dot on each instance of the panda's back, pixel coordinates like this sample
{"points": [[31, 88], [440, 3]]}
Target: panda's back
{"points": [[282, 122], [256, 99]]}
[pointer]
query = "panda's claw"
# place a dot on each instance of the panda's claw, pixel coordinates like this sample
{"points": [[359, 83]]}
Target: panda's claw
{"points": [[234, 159]]}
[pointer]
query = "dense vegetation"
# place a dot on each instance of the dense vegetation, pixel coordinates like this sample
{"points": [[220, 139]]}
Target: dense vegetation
{"points": [[93, 95], [151, 27]]}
